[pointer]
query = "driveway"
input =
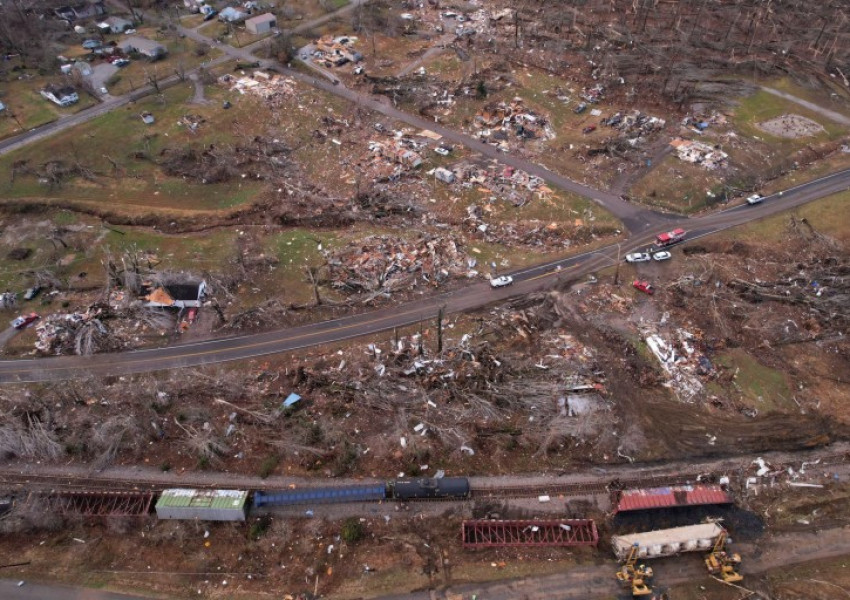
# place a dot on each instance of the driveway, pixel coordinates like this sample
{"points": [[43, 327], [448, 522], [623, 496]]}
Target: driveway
{"points": [[101, 74]]}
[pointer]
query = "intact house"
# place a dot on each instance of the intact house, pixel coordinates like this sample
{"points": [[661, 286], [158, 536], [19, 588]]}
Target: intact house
{"points": [[114, 25], [81, 10], [261, 24], [147, 48], [64, 95], [177, 295]]}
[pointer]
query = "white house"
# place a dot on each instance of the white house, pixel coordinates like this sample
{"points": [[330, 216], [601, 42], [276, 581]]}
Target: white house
{"points": [[261, 24], [63, 96]]}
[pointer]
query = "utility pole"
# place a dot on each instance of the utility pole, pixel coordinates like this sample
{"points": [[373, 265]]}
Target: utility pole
{"points": [[440, 330], [617, 269]]}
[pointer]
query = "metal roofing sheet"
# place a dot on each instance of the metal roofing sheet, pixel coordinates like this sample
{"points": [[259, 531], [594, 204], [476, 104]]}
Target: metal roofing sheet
{"points": [[665, 497], [189, 498]]}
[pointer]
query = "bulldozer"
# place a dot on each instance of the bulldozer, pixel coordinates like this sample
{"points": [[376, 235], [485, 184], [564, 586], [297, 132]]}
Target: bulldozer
{"points": [[722, 564], [637, 577]]}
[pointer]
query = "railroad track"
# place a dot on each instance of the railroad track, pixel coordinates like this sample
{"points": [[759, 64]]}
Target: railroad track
{"points": [[46, 482]]}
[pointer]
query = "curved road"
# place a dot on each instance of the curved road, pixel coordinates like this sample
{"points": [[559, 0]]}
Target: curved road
{"points": [[474, 296]]}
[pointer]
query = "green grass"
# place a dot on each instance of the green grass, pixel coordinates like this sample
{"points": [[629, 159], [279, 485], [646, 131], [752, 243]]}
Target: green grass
{"points": [[828, 216], [761, 387], [141, 185], [762, 106], [235, 35]]}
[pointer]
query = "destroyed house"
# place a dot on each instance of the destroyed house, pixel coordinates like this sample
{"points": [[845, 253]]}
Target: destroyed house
{"points": [[177, 295], [61, 95]]}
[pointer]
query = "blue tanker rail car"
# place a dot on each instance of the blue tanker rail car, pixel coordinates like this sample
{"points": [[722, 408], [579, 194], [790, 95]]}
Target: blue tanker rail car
{"points": [[330, 495]]}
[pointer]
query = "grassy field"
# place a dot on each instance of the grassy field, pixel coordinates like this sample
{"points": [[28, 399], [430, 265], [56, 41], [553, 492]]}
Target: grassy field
{"points": [[753, 153], [760, 387], [27, 108], [138, 184], [235, 35], [828, 216]]}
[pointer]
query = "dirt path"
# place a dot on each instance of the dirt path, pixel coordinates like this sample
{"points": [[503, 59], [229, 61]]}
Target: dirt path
{"points": [[199, 97], [597, 581], [6, 335], [829, 114]]}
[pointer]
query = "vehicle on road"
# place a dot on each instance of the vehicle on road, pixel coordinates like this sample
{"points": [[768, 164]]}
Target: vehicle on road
{"points": [[499, 282], [636, 257], [24, 320], [755, 199], [663, 255], [670, 238], [643, 286]]}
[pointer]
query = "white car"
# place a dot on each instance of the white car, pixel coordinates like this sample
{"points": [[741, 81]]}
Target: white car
{"points": [[663, 255], [498, 282], [755, 199], [636, 257], [441, 151]]}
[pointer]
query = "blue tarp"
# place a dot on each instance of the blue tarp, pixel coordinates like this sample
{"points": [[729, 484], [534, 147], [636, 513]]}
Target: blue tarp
{"points": [[291, 399]]}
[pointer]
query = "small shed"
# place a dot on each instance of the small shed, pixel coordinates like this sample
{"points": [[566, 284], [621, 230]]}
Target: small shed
{"points": [[203, 505], [261, 24]]}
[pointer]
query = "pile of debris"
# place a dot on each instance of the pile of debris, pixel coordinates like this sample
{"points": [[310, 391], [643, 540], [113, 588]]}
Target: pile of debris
{"points": [[507, 183], [502, 121], [268, 86], [682, 361], [389, 159], [77, 333], [336, 51], [699, 153], [634, 125], [382, 264], [593, 94]]}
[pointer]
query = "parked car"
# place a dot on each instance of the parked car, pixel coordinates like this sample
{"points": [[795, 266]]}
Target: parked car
{"points": [[32, 292], [441, 151], [643, 286], [498, 282], [755, 199], [589, 129], [24, 320], [580, 108], [663, 255], [636, 257], [91, 44]]}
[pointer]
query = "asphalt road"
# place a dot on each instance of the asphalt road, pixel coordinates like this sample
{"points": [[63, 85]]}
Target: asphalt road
{"points": [[9, 590], [471, 297]]}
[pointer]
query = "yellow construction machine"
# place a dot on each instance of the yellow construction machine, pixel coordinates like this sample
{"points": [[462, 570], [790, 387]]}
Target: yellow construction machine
{"points": [[637, 577], [722, 564]]}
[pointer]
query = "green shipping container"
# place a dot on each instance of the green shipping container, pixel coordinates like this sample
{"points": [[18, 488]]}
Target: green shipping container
{"points": [[202, 505]]}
